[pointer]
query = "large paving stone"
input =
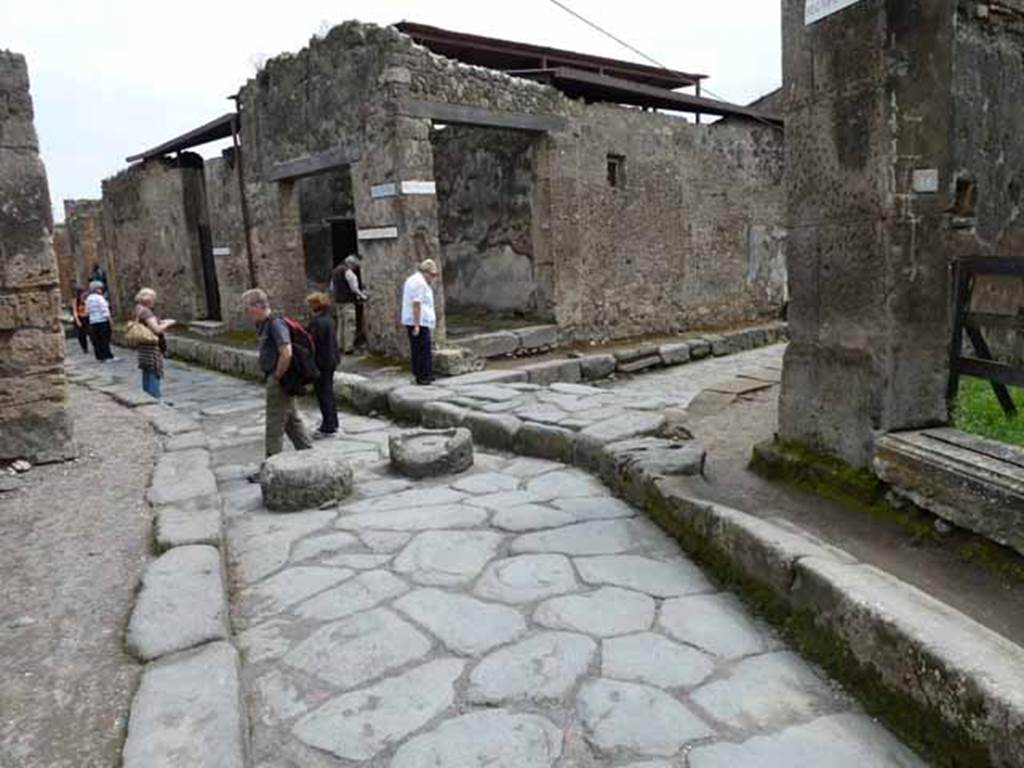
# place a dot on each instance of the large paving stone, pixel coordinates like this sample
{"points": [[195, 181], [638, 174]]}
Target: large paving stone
{"points": [[495, 430], [385, 541], [359, 648], [496, 344], [410, 499], [595, 508], [318, 547], [542, 669], [371, 396], [182, 603], [365, 591], [654, 660], [487, 739], [260, 544], [494, 393], [286, 588], [169, 422], [552, 371], [660, 578], [405, 403], [636, 718], [187, 441], [486, 482], [608, 611], [181, 476], [359, 725], [598, 537], [304, 480], [717, 624], [591, 441], [525, 467], [431, 453], [463, 624], [849, 741], [527, 578], [187, 712], [187, 524], [765, 692], [415, 519], [545, 441], [565, 484], [447, 558], [531, 517]]}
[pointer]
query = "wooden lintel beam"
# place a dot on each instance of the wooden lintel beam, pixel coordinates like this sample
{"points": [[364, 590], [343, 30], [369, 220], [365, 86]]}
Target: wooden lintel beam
{"points": [[317, 162]]}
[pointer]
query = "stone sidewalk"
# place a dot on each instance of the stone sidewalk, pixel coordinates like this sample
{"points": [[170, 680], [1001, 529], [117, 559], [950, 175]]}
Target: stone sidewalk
{"points": [[513, 616]]}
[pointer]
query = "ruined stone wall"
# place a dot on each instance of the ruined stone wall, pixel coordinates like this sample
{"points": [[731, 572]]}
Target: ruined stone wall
{"points": [[227, 234], [66, 278], [691, 236], [34, 423], [151, 221], [83, 220], [485, 186]]}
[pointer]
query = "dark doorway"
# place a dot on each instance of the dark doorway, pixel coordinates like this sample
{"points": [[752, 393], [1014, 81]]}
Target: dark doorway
{"points": [[344, 241]]}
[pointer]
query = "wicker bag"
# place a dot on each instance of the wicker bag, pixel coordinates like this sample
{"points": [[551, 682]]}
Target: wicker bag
{"points": [[138, 334]]}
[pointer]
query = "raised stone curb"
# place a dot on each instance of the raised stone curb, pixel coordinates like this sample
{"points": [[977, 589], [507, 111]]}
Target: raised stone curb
{"points": [[188, 712], [181, 526], [181, 605], [182, 476]]}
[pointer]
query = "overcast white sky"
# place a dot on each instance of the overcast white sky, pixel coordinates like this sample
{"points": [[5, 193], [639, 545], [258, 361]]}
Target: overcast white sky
{"points": [[112, 77]]}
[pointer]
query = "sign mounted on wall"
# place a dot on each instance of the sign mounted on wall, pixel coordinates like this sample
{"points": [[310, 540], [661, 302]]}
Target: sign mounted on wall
{"points": [[816, 10]]}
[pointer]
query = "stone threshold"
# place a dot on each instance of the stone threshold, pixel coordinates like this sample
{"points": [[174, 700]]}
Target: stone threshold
{"points": [[952, 688]]}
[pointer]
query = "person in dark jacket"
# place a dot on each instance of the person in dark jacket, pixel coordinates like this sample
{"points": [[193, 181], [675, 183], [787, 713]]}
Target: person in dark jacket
{"points": [[321, 328]]}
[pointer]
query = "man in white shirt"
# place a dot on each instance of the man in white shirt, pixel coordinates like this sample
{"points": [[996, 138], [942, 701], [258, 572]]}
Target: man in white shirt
{"points": [[419, 319], [99, 322]]}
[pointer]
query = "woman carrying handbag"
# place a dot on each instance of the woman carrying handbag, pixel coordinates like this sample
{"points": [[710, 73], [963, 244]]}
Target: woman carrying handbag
{"points": [[146, 334]]}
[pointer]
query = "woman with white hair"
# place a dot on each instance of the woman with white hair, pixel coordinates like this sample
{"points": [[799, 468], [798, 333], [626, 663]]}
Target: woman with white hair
{"points": [[151, 356], [98, 309]]}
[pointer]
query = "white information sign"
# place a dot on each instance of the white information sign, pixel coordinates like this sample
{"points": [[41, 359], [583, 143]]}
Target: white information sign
{"points": [[816, 10]]}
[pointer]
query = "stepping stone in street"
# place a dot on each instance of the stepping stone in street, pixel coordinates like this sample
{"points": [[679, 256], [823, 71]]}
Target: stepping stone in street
{"points": [[447, 558], [431, 453], [608, 611], [636, 718], [486, 739], [465, 625], [304, 480], [361, 724], [527, 578], [542, 669], [654, 660]]}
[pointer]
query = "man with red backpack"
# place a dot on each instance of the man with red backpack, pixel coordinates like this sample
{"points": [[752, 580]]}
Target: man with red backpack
{"points": [[286, 359]]}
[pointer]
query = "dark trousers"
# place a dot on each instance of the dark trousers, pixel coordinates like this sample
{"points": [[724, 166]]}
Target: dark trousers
{"points": [[82, 329], [100, 333], [422, 360], [324, 389]]}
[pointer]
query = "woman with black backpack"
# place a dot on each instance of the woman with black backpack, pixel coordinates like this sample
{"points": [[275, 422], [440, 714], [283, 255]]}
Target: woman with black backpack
{"points": [[322, 329]]}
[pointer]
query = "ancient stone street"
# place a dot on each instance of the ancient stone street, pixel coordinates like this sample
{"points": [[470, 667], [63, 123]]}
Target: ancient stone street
{"points": [[513, 616]]}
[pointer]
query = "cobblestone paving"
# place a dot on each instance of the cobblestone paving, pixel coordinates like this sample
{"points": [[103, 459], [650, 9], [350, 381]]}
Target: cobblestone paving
{"points": [[515, 616]]}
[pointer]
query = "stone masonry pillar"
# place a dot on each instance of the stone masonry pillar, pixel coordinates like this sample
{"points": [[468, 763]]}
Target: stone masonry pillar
{"points": [[34, 423]]}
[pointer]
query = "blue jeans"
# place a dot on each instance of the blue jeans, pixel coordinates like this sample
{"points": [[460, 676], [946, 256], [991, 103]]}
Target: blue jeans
{"points": [[151, 383]]}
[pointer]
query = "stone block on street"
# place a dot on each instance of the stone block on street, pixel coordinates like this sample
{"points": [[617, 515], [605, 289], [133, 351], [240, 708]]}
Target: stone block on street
{"points": [[304, 480], [431, 453], [371, 395], [497, 344], [537, 337], [436, 415], [640, 364], [699, 348], [495, 430], [187, 441], [183, 525], [187, 712], [544, 441], [181, 605], [168, 421], [406, 403], [181, 476], [594, 367], [675, 354], [553, 371]]}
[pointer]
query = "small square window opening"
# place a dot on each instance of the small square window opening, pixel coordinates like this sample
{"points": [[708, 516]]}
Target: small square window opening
{"points": [[616, 171]]}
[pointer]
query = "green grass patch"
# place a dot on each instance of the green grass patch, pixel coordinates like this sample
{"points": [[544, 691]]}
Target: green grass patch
{"points": [[977, 411]]}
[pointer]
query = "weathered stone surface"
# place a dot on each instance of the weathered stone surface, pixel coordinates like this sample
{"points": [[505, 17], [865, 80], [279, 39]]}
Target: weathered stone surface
{"points": [[699, 348], [133, 398], [527, 578], [487, 482], [564, 484], [765, 692], [284, 589], [544, 441], [359, 562], [326, 544], [487, 739], [170, 422], [714, 623], [495, 430], [464, 625], [352, 651], [304, 480], [553, 371], [447, 557], [187, 441], [595, 508], [849, 740], [435, 415], [415, 497], [261, 543], [658, 578], [641, 364], [359, 725], [423, 519], [187, 712], [591, 440], [431, 453], [182, 603], [599, 537], [496, 344], [365, 591], [491, 393], [486, 377], [531, 517], [720, 346], [537, 337], [637, 718], [372, 395], [539, 670], [608, 611], [674, 354], [179, 526], [654, 660], [405, 403], [181, 476], [632, 465], [594, 367]]}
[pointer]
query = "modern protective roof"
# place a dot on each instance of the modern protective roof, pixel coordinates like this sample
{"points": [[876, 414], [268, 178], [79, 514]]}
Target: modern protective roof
{"points": [[221, 128]]}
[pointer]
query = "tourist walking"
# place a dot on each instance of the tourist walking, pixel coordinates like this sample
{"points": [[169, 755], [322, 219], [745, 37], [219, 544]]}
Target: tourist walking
{"points": [[275, 357], [321, 329], [151, 355], [98, 275], [349, 290], [98, 309], [81, 317], [419, 319]]}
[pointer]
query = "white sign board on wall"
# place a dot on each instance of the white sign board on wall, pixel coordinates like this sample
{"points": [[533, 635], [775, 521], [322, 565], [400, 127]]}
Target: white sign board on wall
{"points": [[816, 10]]}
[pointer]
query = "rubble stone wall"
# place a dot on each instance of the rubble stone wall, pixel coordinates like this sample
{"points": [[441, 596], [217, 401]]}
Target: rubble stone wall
{"points": [[34, 423], [66, 278], [83, 220]]}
